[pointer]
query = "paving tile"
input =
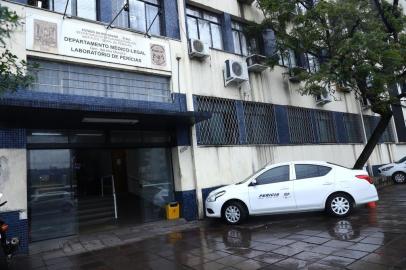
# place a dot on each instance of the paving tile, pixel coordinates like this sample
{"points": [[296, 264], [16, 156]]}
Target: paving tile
{"points": [[270, 257], [231, 260], [292, 263], [287, 251], [265, 247], [250, 265], [338, 244], [336, 261], [353, 254], [209, 266], [363, 265], [316, 240], [364, 247], [310, 256]]}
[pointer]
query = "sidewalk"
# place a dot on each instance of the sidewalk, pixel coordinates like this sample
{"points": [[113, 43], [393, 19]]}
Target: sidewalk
{"points": [[100, 240]]}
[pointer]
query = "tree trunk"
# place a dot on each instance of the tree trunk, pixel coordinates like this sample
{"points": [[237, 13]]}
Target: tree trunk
{"points": [[373, 140]]}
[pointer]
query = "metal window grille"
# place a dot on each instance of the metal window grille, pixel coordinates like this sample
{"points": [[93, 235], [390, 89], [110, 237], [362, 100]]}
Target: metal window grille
{"points": [[222, 127], [260, 123], [353, 128], [300, 125], [325, 126], [370, 124]]}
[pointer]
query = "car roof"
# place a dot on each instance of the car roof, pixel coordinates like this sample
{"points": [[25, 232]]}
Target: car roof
{"points": [[316, 162]]}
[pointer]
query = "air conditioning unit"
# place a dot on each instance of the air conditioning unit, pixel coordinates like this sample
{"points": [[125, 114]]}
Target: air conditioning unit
{"points": [[235, 72], [247, 2], [323, 98], [198, 49], [256, 63]]}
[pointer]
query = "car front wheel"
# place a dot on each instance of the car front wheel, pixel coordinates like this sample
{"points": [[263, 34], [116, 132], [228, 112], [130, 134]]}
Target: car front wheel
{"points": [[234, 212], [339, 205], [399, 177]]}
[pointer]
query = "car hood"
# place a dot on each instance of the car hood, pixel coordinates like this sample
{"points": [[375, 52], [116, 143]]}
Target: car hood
{"points": [[227, 188], [387, 165]]}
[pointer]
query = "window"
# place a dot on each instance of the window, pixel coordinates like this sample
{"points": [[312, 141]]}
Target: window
{"points": [[370, 124], [204, 26], [287, 58], [239, 39], [72, 79], [353, 128], [144, 15], [222, 127], [325, 126], [312, 63], [260, 123], [304, 171], [274, 175], [300, 125], [81, 8], [141, 15]]}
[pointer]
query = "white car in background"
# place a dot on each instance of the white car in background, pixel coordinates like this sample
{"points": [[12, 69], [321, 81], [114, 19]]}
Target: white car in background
{"points": [[293, 187], [396, 170]]}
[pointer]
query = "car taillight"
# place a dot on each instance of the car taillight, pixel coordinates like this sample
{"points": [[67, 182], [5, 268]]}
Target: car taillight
{"points": [[3, 228], [365, 177]]}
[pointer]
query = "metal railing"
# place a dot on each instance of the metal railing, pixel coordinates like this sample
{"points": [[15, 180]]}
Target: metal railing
{"points": [[113, 190]]}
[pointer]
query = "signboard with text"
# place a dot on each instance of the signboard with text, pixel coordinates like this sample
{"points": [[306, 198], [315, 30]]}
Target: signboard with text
{"points": [[91, 41]]}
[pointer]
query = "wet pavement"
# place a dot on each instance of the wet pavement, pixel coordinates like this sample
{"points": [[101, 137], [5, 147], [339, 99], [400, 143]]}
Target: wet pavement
{"points": [[371, 239]]}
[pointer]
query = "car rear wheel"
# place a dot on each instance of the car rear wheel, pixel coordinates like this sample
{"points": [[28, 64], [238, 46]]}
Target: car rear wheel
{"points": [[339, 205], [234, 212], [399, 177]]}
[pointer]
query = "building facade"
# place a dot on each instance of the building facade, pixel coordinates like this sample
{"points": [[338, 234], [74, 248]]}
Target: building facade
{"points": [[138, 105]]}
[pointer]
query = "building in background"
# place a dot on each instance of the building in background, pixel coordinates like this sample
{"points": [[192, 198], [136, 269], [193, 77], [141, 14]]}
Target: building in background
{"points": [[161, 100]]}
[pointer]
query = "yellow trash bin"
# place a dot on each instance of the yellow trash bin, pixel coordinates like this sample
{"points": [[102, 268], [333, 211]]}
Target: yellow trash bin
{"points": [[172, 210]]}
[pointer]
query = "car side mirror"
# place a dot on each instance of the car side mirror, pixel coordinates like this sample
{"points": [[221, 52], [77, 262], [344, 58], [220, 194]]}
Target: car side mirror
{"points": [[253, 183]]}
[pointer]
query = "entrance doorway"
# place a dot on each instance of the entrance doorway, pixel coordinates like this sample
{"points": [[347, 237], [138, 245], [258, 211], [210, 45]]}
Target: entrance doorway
{"points": [[77, 190]]}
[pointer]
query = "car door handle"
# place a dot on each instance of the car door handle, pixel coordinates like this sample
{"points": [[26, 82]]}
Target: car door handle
{"points": [[285, 188], [327, 183]]}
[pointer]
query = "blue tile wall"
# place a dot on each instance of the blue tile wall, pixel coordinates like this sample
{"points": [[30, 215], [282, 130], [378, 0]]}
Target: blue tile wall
{"points": [[281, 115], [183, 136], [171, 18], [88, 103], [17, 228], [188, 204], [13, 138], [227, 31], [239, 108]]}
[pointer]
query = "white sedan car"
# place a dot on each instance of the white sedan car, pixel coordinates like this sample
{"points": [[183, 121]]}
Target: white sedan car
{"points": [[396, 170], [293, 187]]}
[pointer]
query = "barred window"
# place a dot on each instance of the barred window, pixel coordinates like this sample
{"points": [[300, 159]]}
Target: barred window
{"points": [[325, 126], [353, 128], [370, 124], [260, 123], [222, 127], [300, 125]]}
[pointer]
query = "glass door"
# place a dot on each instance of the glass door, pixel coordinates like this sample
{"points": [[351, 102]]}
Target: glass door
{"points": [[51, 194]]}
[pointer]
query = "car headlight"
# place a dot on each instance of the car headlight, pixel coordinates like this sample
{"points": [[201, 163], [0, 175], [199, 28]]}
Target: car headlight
{"points": [[213, 198], [386, 168]]}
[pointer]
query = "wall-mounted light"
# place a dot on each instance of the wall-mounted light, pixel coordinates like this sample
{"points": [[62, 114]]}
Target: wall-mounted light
{"points": [[110, 120]]}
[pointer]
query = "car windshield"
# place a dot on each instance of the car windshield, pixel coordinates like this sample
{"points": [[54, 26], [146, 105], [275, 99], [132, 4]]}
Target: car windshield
{"points": [[249, 177], [401, 160]]}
